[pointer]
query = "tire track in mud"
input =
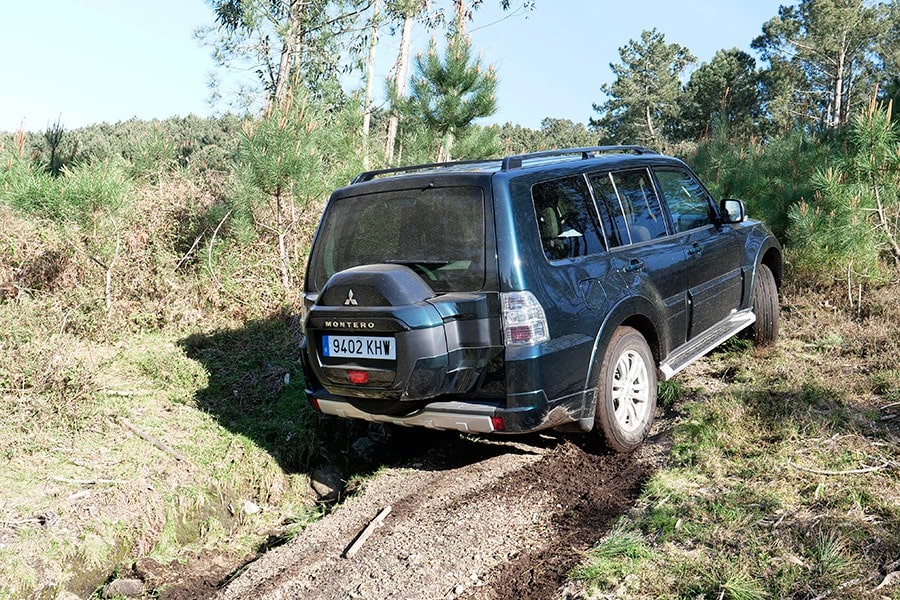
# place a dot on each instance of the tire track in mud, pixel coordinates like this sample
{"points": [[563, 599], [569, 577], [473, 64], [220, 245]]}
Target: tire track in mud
{"points": [[477, 518]]}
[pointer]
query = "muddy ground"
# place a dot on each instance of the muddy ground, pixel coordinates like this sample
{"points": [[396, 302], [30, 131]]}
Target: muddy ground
{"points": [[470, 517]]}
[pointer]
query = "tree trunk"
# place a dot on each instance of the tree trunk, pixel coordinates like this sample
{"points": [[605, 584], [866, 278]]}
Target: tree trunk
{"points": [[650, 125], [282, 244], [837, 115], [288, 52], [370, 80], [401, 76]]}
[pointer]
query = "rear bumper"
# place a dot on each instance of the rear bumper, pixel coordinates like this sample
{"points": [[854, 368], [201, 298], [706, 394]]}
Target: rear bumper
{"points": [[521, 413], [457, 416]]}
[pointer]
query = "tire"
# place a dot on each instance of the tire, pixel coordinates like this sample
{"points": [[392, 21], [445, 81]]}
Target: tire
{"points": [[626, 391], [764, 332]]}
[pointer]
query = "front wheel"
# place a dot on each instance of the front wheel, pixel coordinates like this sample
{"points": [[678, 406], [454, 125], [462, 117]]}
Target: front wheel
{"points": [[764, 332], [626, 390]]}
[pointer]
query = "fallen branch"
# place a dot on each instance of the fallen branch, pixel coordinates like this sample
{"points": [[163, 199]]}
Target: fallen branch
{"points": [[190, 250], [126, 393], [847, 472], [839, 588], [87, 481], [149, 438], [212, 240], [374, 524], [888, 580]]}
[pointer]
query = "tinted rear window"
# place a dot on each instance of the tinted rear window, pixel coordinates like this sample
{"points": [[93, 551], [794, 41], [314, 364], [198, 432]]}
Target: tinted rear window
{"points": [[567, 219], [437, 232]]}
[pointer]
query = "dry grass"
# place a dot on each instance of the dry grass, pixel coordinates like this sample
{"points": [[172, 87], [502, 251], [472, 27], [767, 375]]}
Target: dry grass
{"points": [[110, 449]]}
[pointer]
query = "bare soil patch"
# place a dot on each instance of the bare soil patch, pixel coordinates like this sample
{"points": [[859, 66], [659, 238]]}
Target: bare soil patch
{"points": [[475, 518]]}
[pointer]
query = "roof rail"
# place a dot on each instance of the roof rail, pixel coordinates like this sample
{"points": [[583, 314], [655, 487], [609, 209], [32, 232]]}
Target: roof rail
{"points": [[370, 175], [508, 163], [515, 161]]}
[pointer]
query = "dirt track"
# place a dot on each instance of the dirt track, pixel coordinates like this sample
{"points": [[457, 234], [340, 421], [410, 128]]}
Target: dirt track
{"points": [[470, 518]]}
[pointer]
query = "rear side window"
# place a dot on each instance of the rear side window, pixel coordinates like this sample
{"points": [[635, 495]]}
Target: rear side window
{"points": [[689, 204], [629, 206], [437, 232], [566, 218]]}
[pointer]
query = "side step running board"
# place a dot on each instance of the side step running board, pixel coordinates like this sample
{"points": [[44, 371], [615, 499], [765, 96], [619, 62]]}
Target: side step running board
{"points": [[698, 347]]}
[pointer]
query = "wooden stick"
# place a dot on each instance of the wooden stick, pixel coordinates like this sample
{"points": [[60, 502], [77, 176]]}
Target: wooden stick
{"points": [[847, 472], [374, 524], [149, 438], [87, 481]]}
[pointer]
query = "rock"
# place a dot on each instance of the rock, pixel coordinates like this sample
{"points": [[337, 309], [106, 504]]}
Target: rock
{"points": [[327, 483], [130, 588], [366, 449], [251, 508]]}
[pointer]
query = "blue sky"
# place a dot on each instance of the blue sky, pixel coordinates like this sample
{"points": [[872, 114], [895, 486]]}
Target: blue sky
{"points": [[92, 61]]}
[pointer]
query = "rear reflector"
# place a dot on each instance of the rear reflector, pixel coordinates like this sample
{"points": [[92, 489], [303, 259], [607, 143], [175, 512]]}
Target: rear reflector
{"points": [[497, 423], [315, 403], [358, 377]]}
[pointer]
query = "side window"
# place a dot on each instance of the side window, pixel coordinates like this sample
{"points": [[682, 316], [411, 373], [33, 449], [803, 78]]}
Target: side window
{"points": [[629, 207], [566, 218], [689, 204], [610, 210]]}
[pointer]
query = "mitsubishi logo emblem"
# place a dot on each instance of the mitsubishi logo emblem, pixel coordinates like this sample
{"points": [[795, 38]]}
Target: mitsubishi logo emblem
{"points": [[350, 301]]}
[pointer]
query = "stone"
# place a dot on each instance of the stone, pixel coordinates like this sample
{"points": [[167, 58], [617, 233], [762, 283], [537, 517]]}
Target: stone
{"points": [[130, 588], [327, 483]]}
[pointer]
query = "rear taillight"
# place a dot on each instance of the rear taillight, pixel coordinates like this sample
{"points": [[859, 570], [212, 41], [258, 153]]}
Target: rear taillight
{"points": [[524, 321]]}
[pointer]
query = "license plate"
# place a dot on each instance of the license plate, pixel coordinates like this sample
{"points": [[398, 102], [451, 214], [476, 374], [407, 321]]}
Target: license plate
{"points": [[351, 346]]}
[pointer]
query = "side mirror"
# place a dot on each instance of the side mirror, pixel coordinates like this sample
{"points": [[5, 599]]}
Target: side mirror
{"points": [[733, 210]]}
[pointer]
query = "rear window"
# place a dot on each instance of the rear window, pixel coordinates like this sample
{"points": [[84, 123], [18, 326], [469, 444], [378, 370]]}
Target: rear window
{"points": [[567, 219], [437, 232]]}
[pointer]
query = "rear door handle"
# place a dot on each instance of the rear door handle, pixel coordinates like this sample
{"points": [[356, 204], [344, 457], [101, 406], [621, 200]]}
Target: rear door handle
{"points": [[695, 249]]}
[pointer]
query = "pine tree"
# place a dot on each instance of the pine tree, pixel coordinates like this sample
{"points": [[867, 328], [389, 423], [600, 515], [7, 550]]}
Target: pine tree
{"points": [[645, 99], [830, 49], [449, 92]]}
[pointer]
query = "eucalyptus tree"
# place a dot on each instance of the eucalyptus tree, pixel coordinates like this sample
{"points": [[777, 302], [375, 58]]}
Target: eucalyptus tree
{"points": [[644, 101], [285, 42]]}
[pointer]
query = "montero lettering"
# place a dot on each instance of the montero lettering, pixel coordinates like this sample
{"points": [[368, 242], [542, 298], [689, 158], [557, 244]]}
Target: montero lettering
{"points": [[350, 324]]}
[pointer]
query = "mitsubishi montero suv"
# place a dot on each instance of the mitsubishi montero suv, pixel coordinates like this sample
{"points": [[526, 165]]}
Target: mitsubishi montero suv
{"points": [[543, 290]]}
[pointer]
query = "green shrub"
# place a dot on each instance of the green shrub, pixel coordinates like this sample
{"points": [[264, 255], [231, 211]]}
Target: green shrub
{"points": [[853, 222]]}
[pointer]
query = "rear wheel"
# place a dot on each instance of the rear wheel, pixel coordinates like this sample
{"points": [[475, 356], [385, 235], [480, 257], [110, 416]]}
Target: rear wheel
{"points": [[764, 332], [626, 390]]}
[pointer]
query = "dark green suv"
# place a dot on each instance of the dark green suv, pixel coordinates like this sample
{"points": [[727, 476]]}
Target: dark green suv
{"points": [[545, 290]]}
